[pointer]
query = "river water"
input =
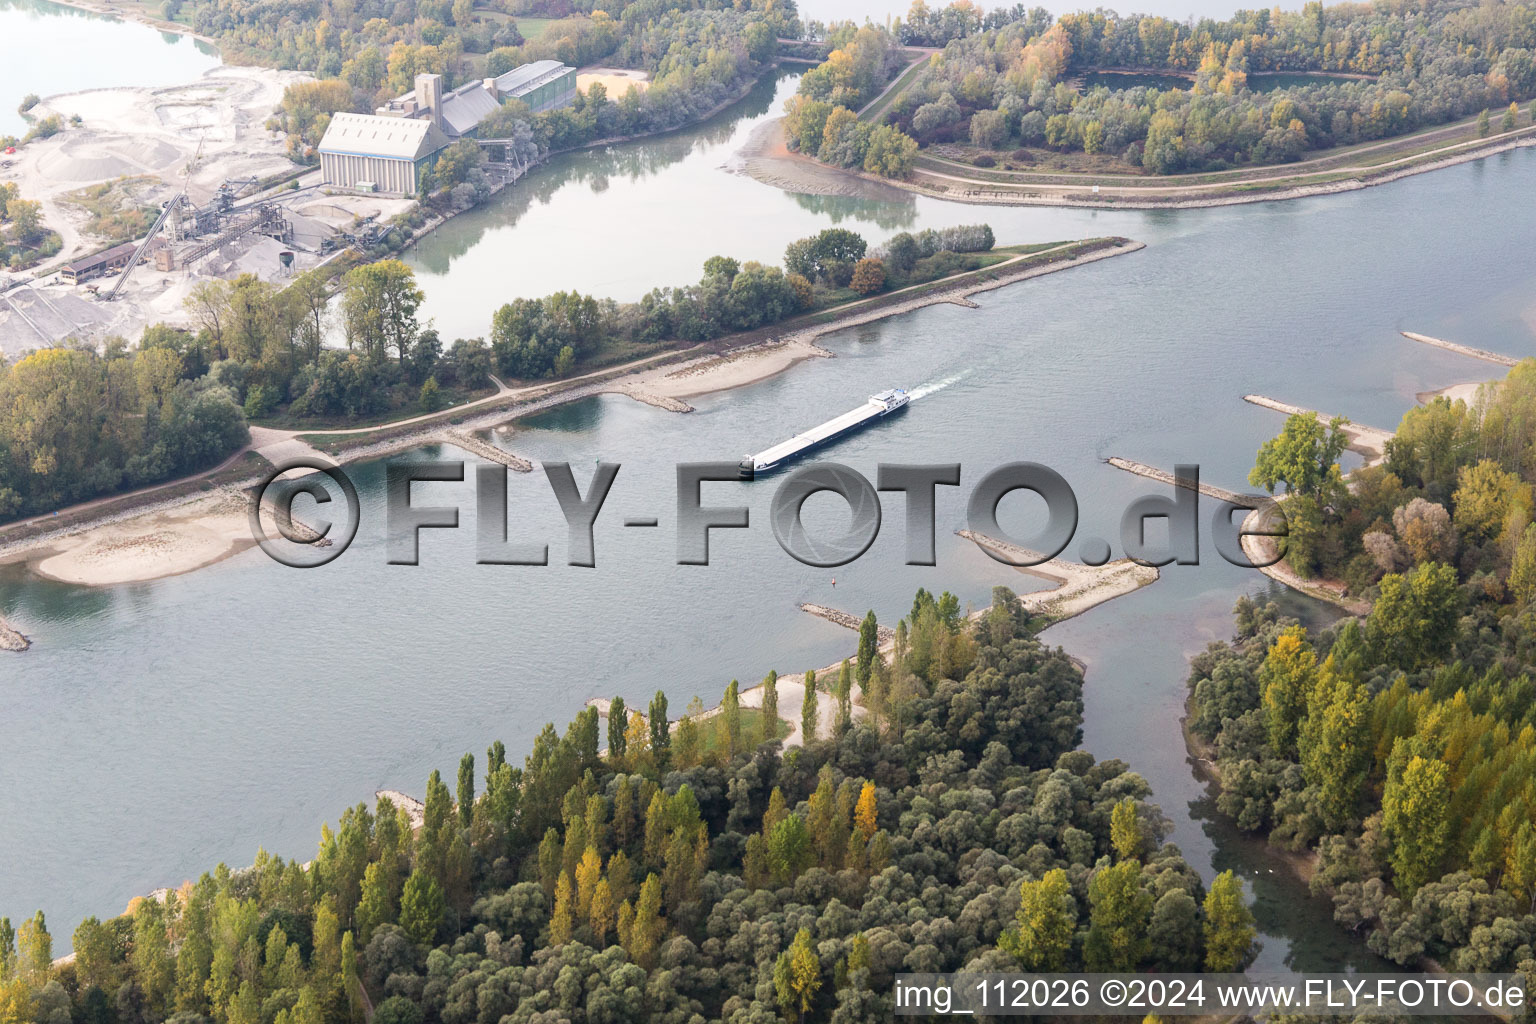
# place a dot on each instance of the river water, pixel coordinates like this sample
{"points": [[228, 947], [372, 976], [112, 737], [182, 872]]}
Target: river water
{"points": [[47, 48], [156, 729]]}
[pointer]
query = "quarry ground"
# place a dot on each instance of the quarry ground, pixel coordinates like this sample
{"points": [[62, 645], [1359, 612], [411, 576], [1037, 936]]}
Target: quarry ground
{"points": [[154, 142]]}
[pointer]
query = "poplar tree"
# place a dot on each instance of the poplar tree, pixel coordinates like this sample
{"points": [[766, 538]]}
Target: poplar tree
{"points": [[1286, 678], [770, 705], [466, 790], [588, 873], [377, 905], [601, 915], [808, 710], [869, 646], [661, 729], [549, 860], [1334, 744], [864, 812], [797, 976], [1042, 933], [730, 711], [844, 699], [1125, 830], [1119, 916], [561, 922], [1415, 806], [649, 928], [421, 908], [655, 829], [618, 719], [1229, 928]]}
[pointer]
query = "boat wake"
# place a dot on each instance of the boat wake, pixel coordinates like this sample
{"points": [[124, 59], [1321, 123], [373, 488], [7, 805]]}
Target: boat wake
{"points": [[924, 390]]}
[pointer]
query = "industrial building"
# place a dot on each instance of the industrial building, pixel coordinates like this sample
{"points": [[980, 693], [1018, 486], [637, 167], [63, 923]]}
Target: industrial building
{"points": [[388, 149], [543, 85], [108, 262], [386, 154], [456, 114]]}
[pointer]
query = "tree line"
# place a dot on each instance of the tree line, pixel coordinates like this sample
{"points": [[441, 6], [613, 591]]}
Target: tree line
{"points": [[655, 879], [820, 120], [997, 87], [78, 424], [1399, 747]]}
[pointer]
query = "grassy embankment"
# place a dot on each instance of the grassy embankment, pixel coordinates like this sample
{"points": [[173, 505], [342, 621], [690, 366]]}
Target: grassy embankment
{"points": [[1363, 161]]}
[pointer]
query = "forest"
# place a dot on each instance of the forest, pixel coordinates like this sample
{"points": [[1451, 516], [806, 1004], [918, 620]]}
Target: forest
{"points": [[697, 58], [76, 423], [821, 120], [945, 819], [1402, 67], [1398, 748]]}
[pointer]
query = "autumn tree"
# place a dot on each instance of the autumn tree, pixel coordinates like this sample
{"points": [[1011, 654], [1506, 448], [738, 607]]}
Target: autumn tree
{"points": [[1125, 830], [1285, 681], [1119, 915], [1045, 923], [868, 276], [1415, 805], [797, 976], [1229, 926]]}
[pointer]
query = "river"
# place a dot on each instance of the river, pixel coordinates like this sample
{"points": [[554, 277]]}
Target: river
{"points": [[47, 48], [156, 729]]}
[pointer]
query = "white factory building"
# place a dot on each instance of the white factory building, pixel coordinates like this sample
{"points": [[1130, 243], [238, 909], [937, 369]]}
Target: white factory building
{"points": [[386, 151], [383, 154]]}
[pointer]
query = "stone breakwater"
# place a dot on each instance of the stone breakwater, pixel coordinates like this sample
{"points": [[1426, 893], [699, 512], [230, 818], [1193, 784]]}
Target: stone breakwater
{"points": [[478, 446], [847, 621]]}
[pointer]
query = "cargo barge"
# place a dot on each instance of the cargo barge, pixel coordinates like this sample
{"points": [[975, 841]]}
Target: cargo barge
{"points": [[878, 407]]}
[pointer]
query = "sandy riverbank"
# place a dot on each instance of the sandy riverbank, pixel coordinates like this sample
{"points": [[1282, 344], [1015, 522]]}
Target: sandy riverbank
{"points": [[742, 366], [1467, 392], [1078, 588], [164, 542], [731, 369], [765, 157]]}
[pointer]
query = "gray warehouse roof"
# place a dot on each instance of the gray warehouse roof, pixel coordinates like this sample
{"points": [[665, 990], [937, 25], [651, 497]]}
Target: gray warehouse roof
{"points": [[467, 106], [395, 138], [530, 76]]}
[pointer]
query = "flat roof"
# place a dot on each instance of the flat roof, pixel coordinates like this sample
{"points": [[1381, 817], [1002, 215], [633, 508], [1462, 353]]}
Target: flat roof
{"points": [[393, 138], [530, 76]]}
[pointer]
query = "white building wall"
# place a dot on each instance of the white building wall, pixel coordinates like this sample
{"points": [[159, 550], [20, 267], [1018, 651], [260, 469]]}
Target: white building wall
{"points": [[389, 175]]}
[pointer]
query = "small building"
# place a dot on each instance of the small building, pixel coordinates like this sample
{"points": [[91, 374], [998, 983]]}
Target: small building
{"points": [[100, 264], [543, 85], [389, 152]]}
